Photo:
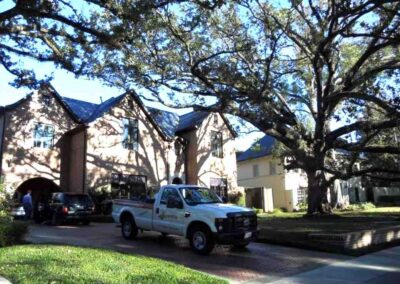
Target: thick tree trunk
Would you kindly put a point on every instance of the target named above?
(317, 194)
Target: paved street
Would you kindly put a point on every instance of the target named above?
(260, 263)
(382, 267)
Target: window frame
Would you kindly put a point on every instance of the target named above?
(39, 143)
(256, 170)
(134, 145)
(272, 165)
(46, 100)
(217, 149)
(215, 119)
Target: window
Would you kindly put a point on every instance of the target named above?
(219, 186)
(272, 168)
(43, 136)
(216, 144)
(215, 119)
(46, 100)
(129, 186)
(256, 171)
(130, 137)
(167, 193)
(130, 104)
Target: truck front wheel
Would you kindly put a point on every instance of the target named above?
(201, 240)
(128, 228)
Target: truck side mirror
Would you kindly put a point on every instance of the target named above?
(174, 202)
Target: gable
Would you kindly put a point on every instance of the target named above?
(194, 119)
(261, 148)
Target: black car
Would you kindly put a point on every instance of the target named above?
(69, 206)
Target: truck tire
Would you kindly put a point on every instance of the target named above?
(201, 240)
(128, 228)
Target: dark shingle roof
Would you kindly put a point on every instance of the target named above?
(82, 109)
(261, 148)
(191, 120)
(88, 112)
(105, 107)
(168, 121)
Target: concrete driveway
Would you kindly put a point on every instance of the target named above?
(259, 263)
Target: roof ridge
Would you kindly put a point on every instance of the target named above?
(156, 108)
(68, 98)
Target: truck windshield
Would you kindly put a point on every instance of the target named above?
(199, 195)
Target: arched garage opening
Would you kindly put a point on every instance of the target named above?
(41, 188)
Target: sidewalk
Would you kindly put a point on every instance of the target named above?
(375, 268)
(4, 281)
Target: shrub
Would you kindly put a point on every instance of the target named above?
(277, 211)
(5, 199)
(257, 210)
(359, 206)
(11, 232)
(302, 207)
(367, 205)
(102, 197)
(235, 197)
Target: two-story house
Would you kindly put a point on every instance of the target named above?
(257, 167)
(49, 142)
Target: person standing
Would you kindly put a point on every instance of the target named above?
(27, 204)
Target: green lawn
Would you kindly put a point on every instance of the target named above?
(66, 264)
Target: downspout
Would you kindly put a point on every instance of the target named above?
(186, 145)
(84, 159)
(2, 143)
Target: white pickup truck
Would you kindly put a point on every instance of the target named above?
(194, 212)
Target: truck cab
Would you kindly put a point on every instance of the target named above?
(190, 211)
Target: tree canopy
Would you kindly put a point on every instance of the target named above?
(68, 33)
(303, 72)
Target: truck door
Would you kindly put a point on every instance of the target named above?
(169, 220)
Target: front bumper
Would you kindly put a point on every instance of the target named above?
(236, 237)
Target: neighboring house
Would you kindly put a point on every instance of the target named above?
(258, 168)
(49, 141)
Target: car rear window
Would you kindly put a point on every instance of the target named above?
(78, 199)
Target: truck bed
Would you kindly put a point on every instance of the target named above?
(142, 210)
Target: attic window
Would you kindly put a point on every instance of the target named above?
(216, 144)
(130, 136)
(130, 104)
(215, 119)
(46, 100)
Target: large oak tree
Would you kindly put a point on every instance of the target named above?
(303, 72)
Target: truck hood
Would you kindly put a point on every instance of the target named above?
(220, 209)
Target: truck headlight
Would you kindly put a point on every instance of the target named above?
(220, 224)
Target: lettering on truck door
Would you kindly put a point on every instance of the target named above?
(169, 220)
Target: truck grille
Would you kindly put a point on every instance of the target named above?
(242, 221)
